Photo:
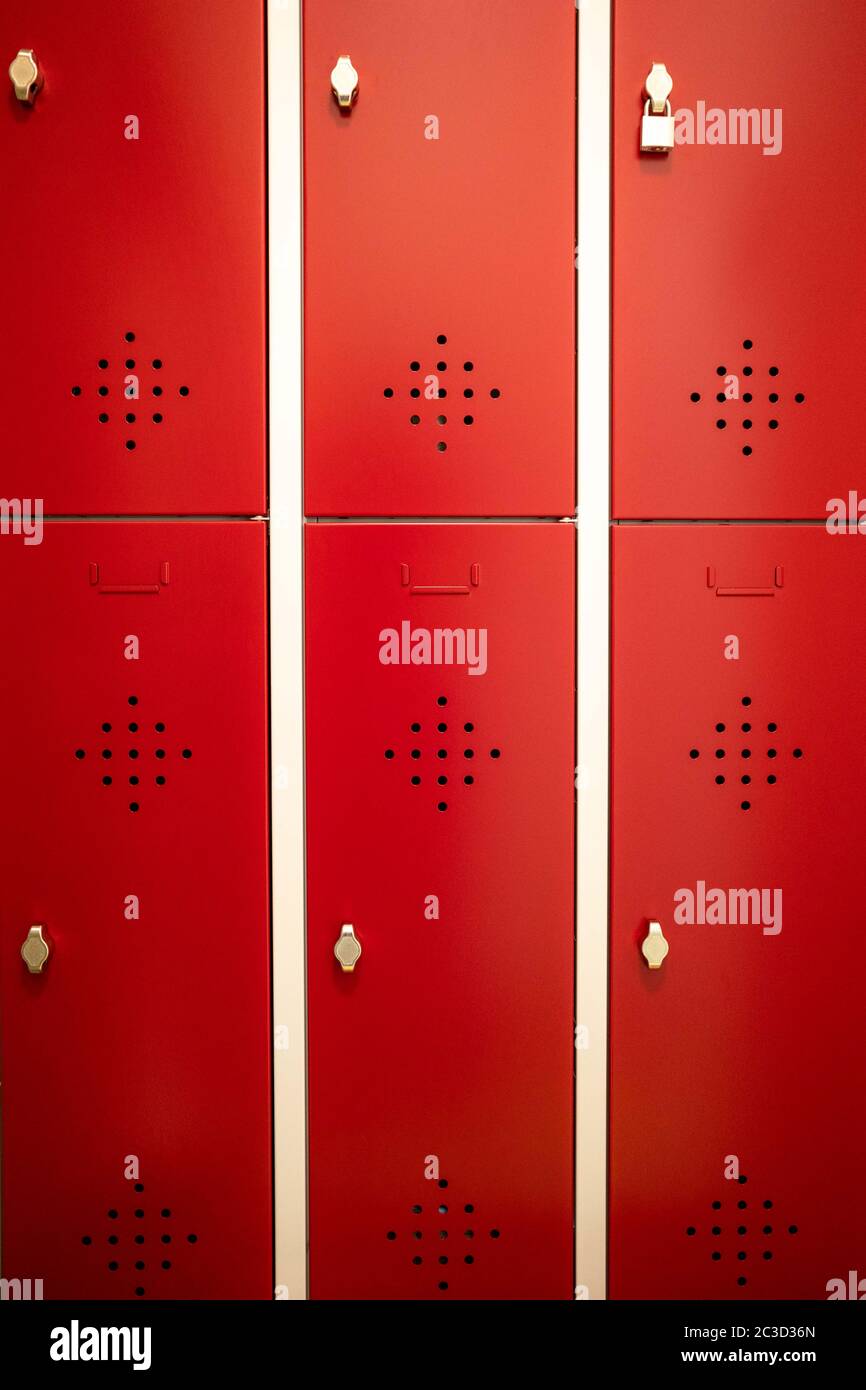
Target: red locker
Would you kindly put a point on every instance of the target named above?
(439, 258)
(133, 238)
(440, 680)
(739, 316)
(738, 1143)
(133, 836)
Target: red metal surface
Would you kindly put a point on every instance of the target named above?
(160, 237)
(719, 245)
(147, 1037)
(452, 250)
(454, 1035)
(743, 1043)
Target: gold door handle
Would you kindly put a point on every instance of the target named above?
(347, 948)
(35, 951)
(25, 75)
(344, 82)
(654, 947)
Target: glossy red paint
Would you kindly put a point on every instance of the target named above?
(453, 1037)
(145, 1037)
(443, 266)
(746, 1043)
(147, 251)
(732, 268)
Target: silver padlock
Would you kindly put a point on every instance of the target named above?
(657, 125)
(657, 130)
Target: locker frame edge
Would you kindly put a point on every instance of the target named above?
(595, 54)
(285, 213)
(285, 270)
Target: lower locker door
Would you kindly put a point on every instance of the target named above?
(133, 834)
(440, 760)
(738, 1062)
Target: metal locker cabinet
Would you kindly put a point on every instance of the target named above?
(734, 775)
(132, 374)
(739, 306)
(440, 824)
(136, 782)
(439, 258)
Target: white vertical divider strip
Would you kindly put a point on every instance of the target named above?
(286, 647)
(593, 641)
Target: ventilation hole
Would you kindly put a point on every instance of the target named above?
(469, 1207)
(747, 371)
(106, 752)
(771, 779)
(468, 393)
(441, 338)
(415, 392)
(416, 781)
(774, 371)
(112, 1215)
(133, 781)
(720, 752)
(414, 419)
(389, 391)
(746, 700)
(746, 779)
(76, 390)
(157, 390)
(442, 419)
(443, 1259)
(748, 344)
(441, 366)
(183, 391)
(721, 371)
(166, 1240)
(103, 364)
(192, 1239)
(112, 1240)
(157, 419)
(469, 419)
(717, 1230)
(494, 753)
(442, 781)
(469, 781)
(720, 781)
(416, 728)
(696, 396)
(469, 728)
(417, 1260)
(469, 1259)
(441, 393)
(112, 1264)
(720, 424)
(773, 397)
(720, 728)
(470, 1235)
(130, 363)
(495, 393)
(103, 419)
(86, 1240)
(716, 1255)
(159, 753)
(133, 806)
(694, 753)
(130, 444)
(747, 450)
(792, 1230)
(133, 752)
(798, 752)
(742, 1205)
(442, 806)
(160, 781)
(741, 1254)
(771, 752)
(417, 1235)
(139, 1293)
(799, 398)
(417, 1210)
(392, 1235)
(768, 1230)
(721, 397)
(416, 753)
(389, 752)
(742, 1280)
(443, 1286)
(774, 424)
(186, 753)
(79, 752)
(717, 1206)
(139, 1264)
(139, 1215)
(747, 752)
(747, 396)
(130, 337)
(442, 753)
(103, 391)
(139, 1187)
(747, 424)
(106, 781)
(441, 700)
(690, 1231)
(441, 446)
(166, 1264)
(742, 1231)
(494, 1234)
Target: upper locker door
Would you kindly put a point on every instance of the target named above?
(132, 239)
(133, 834)
(439, 258)
(739, 299)
(440, 724)
(737, 1144)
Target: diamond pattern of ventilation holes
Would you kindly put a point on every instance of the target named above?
(140, 743)
(748, 397)
(752, 742)
(442, 1237)
(450, 758)
(139, 1243)
(132, 391)
(429, 383)
(741, 1233)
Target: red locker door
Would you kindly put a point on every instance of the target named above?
(136, 1073)
(440, 828)
(739, 299)
(439, 259)
(132, 374)
(738, 1144)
